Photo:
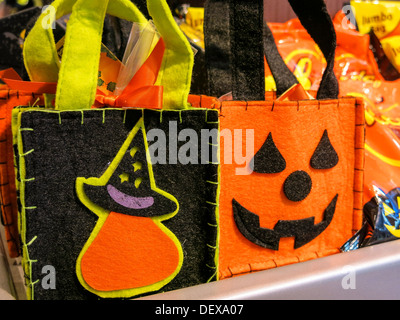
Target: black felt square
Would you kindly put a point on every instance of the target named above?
(68, 145)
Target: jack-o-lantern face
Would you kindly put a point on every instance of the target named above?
(298, 193)
(296, 187)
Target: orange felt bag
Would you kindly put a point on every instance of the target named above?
(291, 168)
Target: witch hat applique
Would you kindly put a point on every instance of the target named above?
(129, 252)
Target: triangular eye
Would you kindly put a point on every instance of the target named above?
(268, 159)
(325, 156)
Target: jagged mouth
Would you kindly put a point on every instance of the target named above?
(304, 230)
(128, 201)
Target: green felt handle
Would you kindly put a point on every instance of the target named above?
(40, 54)
(176, 71)
(77, 74)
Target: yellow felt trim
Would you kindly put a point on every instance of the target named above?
(103, 214)
(81, 53)
(217, 213)
(176, 71)
(25, 261)
(40, 54)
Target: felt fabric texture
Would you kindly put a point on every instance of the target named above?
(56, 225)
(81, 53)
(12, 30)
(297, 186)
(125, 241)
(316, 226)
(285, 211)
(302, 230)
(69, 225)
(199, 83)
(217, 48)
(81, 91)
(82, 82)
(219, 37)
(284, 78)
(177, 68)
(238, 65)
(315, 18)
(130, 183)
(175, 73)
(325, 156)
(40, 56)
(246, 42)
(268, 159)
(9, 99)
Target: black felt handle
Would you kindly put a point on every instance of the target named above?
(235, 48)
(315, 18)
(283, 76)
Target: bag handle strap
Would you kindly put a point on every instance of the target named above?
(283, 76)
(217, 47)
(77, 73)
(314, 17)
(176, 70)
(241, 48)
(40, 54)
(234, 48)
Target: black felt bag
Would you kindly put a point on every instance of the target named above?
(113, 204)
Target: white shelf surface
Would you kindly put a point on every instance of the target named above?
(364, 274)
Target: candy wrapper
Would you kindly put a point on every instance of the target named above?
(140, 44)
(382, 221)
(383, 19)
